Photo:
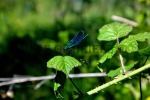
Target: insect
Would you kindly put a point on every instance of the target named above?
(75, 40)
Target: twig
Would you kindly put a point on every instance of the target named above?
(118, 80)
(10, 92)
(5, 79)
(124, 20)
(25, 79)
(40, 84)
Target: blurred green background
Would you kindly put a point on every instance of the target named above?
(34, 31)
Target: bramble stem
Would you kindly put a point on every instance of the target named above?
(119, 79)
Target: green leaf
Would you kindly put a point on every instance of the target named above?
(130, 44)
(145, 51)
(113, 31)
(109, 54)
(117, 71)
(64, 64)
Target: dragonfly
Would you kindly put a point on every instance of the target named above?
(75, 40)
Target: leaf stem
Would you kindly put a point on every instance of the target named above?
(121, 59)
(118, 80)
(76, 86)
(122, 63)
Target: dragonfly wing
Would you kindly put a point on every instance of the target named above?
(75, 40)
(72, 42)
(78, 39)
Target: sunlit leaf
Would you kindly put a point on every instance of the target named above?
(109, 54)
(64, 64)
(113, 31)
(117, 71)
(130, 44)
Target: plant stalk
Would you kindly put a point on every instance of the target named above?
(122, 63)
(118, 80)
(121, 60)
(76, 87)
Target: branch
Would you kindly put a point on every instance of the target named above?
(124, 20)
(118, 80)
(40, 84)
(9, 81)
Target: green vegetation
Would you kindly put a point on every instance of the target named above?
(33, 33)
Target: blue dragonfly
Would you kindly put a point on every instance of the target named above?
(75, 40)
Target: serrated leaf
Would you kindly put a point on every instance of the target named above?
(117, 71)
(145, 51)
(113, 31)
(130, 44)
(109, 54)
(64, 64)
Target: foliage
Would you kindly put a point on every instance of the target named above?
(34, 31)
(64, 64)
(109, 54)
(113, 31)
(108, 32)
(117, 71)
(130, 44)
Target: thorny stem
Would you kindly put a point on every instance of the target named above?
(121, 59)
(99, 88)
